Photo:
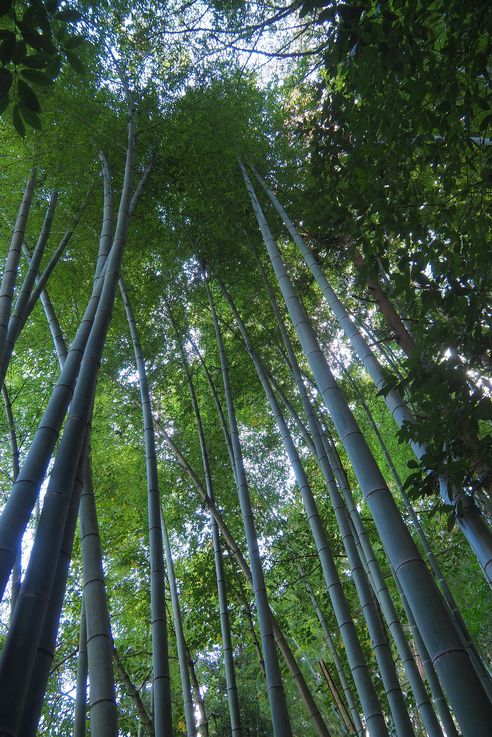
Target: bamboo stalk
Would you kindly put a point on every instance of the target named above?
(455, 670)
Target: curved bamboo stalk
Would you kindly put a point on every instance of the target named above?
(455, 670)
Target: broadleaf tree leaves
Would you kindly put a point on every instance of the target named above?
(37, 77)
(30, 117)
(27, 96)
(70, 15)
(76, 63)
(41, 29)
(17, 121)
(7, 48)
(6, 78)
(39, 60)
(73, 42)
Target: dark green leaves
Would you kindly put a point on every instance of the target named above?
(33, 45)
(75, 62)
(6, 78)
(7, 46)
(34, 75)
(27, 96)
(17, 121)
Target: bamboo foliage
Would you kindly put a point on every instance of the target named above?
(282, 480)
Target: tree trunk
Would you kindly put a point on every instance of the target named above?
(402, 336)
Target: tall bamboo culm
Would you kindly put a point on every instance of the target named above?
(161, 680)
(23, 637)
(289, 658)
(227, 650)
(360, 672)
(470, 521)
(455, 670)
(342, 508)
(276, 695)
(189, 709)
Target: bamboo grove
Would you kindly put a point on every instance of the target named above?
(245, 483)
